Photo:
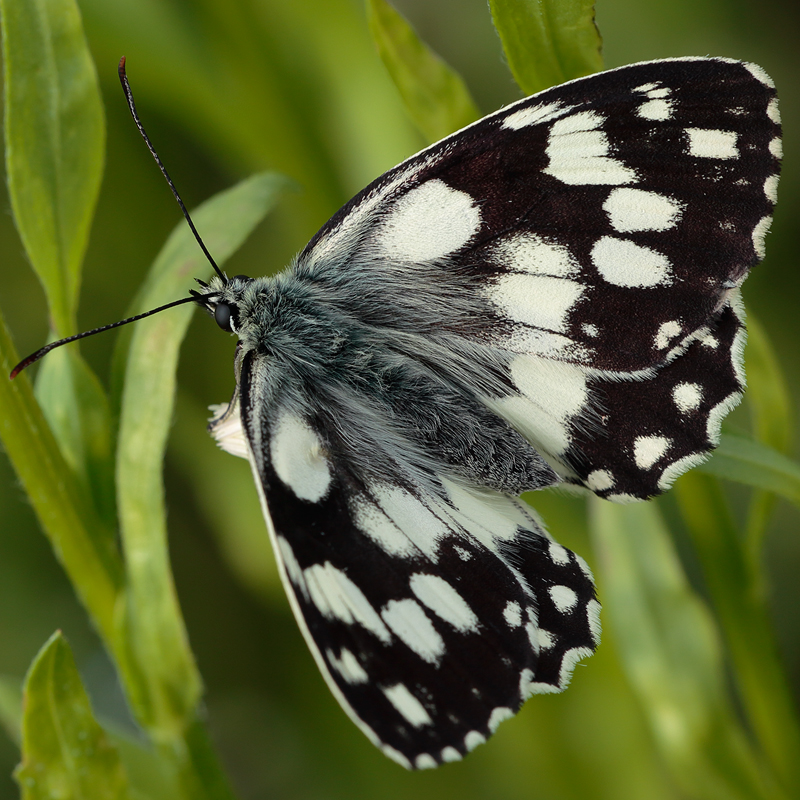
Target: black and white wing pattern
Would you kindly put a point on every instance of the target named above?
(548, 296)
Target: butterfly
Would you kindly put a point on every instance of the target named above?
(548, 297)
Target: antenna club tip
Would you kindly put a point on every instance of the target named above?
(121, 66)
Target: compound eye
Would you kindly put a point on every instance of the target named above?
(222, 315)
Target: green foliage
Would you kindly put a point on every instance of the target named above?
(66, 754)
(547, 42)
(435, 96)
(686, 697)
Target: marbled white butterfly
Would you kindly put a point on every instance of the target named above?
(549, 296)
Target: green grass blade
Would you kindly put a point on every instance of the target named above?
(768, 395)
(76, 407)
(434, 94)
(670, 651)
(55, 143)
(770, 410)
(754, 464)
(745, 624)
(81, 543)
(548, 42)
(65, 753)
(163, 683)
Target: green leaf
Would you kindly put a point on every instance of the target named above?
(80, 541)
(767, 393)
(163, 683)
(55, 143)
(548, 42)
(76, 407)
(754, 464)
(434, 94)
(65, 753)
(770, 410)
(744, 620)
(670, 651)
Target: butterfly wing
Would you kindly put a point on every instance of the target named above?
(433, 612)
(585, 246)
(550, 294)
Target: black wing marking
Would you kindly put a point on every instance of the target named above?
(432, 616)
(603, 225)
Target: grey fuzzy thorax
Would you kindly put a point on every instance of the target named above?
(382, 396)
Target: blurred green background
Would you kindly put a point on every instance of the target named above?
(229, 87)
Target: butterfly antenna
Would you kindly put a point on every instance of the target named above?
(26, 362)
(126, 87)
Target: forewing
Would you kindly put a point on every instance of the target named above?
(432, 616)
(590, 237)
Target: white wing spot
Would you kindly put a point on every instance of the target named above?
(687, 396)
(535, 115)
(771, 188)
(546, 639)
(776, 147)
(412, 626)
(558, 554)
(760, 234)
(430, 221)
(625, 263)
(773, 111)
(657, 110)
(441, 598)
(337, 597)
(709, 143)
(347, 666)
(425, 761)
(450, 754)
(463, 554)
(590, 330)
(297, 457)
(412, 517)
(293, 569)
(374, 523)
(497, 716)
(649, 449)
(513, 614)
(472, 740)
(554, 391)
(600, 480)
(408, 705)
(563, 598)
(532, 630)
(640, 210)
(593, 618)
(667, 331)
(709, 340)
(580, 154)
(539, 301)
(531, 254)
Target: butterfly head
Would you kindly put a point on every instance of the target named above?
(226, 300)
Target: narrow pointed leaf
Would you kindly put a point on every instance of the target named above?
(55, 143)
(434, 94)
(80, 541)
(547, 42)
(670, 651)
(162, 679)
(65, 752)
(754, 464)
